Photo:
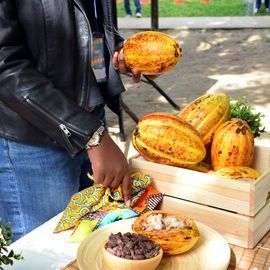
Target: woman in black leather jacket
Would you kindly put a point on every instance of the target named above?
(52, 97)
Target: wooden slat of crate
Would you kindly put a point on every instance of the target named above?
(245, 197)
(195, 186)
(238, 229)
(259, 225)
(261, 187)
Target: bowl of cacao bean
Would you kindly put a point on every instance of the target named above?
(130, 251)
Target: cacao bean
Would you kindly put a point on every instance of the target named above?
(132, 246)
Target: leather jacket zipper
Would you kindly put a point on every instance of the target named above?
(63, 128)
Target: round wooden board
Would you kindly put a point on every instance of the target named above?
(211, 252)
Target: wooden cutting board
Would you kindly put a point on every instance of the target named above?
(211, 251)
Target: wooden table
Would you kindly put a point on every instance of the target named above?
(241, 258)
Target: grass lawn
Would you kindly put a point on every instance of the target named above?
(190, 8)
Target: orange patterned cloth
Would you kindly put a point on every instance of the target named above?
(101, 206)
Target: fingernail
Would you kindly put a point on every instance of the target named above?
(121, 57)
(135, 71)
(115, 54)
(128, 203)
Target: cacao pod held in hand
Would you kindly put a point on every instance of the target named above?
(151, 52)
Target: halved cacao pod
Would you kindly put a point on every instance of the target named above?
(167, 139)
(151, 52)
(233, 145)
(207, 113)
(237, 172)
(173, 241)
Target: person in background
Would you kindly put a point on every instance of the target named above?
(258, 5)
(58, 69)
(137, 4)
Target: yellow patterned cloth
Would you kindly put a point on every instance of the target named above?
(96, 199)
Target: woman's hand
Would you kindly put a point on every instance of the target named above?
(110, 167)
(120, 65)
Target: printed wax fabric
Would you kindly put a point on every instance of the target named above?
(97, 206)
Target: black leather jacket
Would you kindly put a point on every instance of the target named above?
(45, 72)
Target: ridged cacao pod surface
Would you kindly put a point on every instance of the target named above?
(237, 172)
(151, 52)
(207, 113)
(233, 145)
(174, 240)
(167, 139)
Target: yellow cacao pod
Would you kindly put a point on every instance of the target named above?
(202, 167)
(233, 145)
(174, 240)
(151, 52)
(237, 172)
(167, 139)
(207, 113)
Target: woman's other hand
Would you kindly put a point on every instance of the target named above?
(110, 166)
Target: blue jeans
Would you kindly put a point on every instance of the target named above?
(137, 5)
(258, 4)
(36, 183)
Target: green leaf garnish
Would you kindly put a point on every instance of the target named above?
(244, 110)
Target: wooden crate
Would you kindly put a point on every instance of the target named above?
(239, 210)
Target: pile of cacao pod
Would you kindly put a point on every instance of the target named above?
(201, 137)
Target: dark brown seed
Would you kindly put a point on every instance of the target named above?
(139, 257)
(132, 246)
(130, 257)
